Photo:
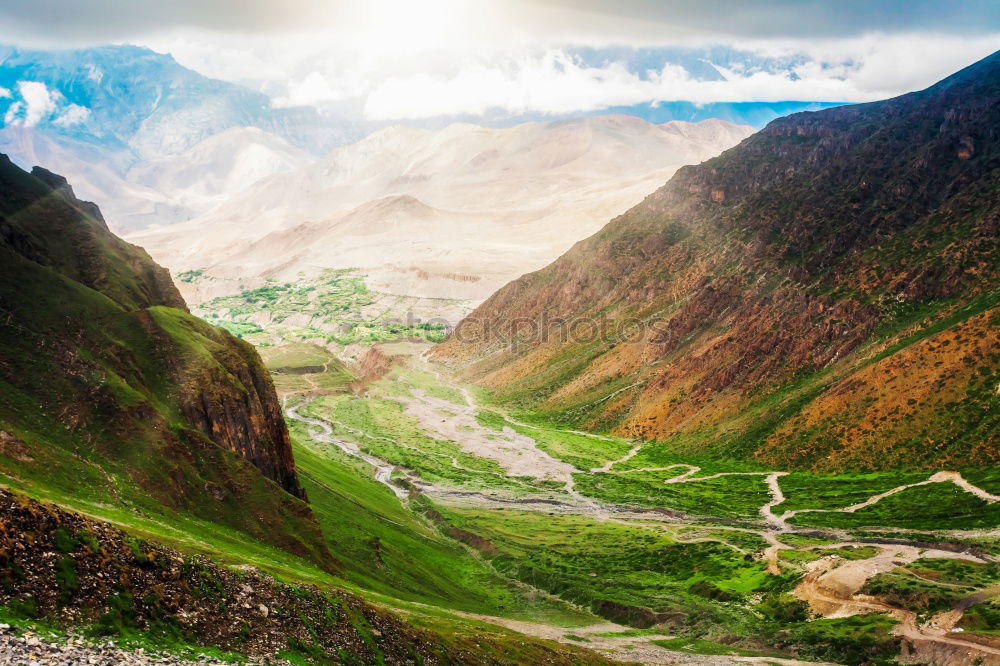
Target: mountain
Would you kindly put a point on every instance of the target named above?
(112, 394)
(109, 117)
(437, 214)
(824, 295)
(123, 95)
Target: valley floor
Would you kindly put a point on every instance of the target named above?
(621, 547)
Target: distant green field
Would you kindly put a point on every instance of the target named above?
(334, 307)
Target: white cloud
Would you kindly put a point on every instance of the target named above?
(39, 103)
(497, 71)
(5, 93)
(73, 114)
(10, 118)
(317, 87)
(871, 68)
(94, 73)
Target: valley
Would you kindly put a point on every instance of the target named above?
(642, 555)
(478, 395)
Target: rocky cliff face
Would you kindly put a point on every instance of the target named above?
(765, 302)
(103, 371)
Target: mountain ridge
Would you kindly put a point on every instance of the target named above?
(770, 270)
(109, 382)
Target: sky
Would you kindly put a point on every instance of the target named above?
(398, 60)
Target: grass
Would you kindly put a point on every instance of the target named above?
(811, 491)
(931, 586)
(580, 451)
(388, 549)
(692, 645)
(583, 561)
(938, 506)
(152, 641)
(722, 497)
(384, 430)
(861, 639)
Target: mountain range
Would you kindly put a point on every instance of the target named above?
(754, 416)
(448, 215)
(822, 296)
(114, 118)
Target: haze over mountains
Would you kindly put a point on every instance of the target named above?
(115, 119)
(437, 214)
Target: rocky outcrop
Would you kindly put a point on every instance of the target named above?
(231, 400)
(763, 281)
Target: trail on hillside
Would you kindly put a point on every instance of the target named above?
(322, 432)
(938, 477)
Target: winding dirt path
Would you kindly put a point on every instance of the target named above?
(382, 470)
(939, 477)
(831, 588)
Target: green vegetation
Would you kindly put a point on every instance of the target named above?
(581, 451)
(931, 586)
(190, 276)
(335, 307)
(388, 549)
(812, 491)
(931, 507)
(299, 367)
(699, 646)
(383, 429)
(126, 635)
(861, 639)
(722, 497)
(583, 561)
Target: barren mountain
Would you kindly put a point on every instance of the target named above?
(452, 213)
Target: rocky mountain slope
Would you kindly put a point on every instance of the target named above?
(437, 214)
(77, 571)
(111, 393)
(824, 295)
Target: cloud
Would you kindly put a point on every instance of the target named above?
(11, 117)
(39, 103)
(557, 82)
(5, 93)
(73, 114)
(414, 59)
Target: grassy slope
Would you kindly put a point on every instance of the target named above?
(94, 366)
(392, 551)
